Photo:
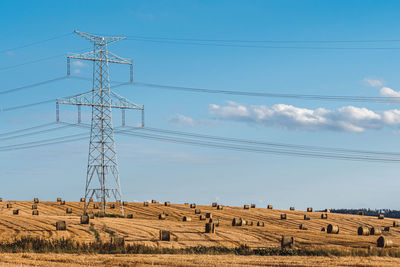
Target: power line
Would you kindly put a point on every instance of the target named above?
(43, 144)
(27, 129)
(32, 85)
(36, 43)
(33, 133)
(28, 105)
(331, 153)
(229, 92)
(253, 142)
(263, 150)
(265, 41)
(338, 98)
(55, 140)
(279, 145)
(263, 46)
(35, 61)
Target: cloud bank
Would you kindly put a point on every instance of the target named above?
(347, 119)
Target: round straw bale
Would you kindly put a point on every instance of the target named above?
(386, 229)
(210, 228)
(202, 217)
(15, 212)
(363, 230)
(323, 229)
(327, 210)
(253, 206)
(214, 204)
(62, 202)
(145, 204)
(220, 207)
(187, 219)
(283, 216)
(307, 217)
(129, 216)
(237, 221)
(303, 227)
(34, 206)
(9, 205)
(83, 199)
(332, 229)
(324, 216)
(59, 199)
(95, 206)
(249, 223)
(384, 242)
(375, 231)
(291, 208)
(309, 209)
(193, 206)
(165, 235)
(68, 210)
(361, 213)
(35, 212)
(395, 224)
(153, 201)
(287, 242)
(209, 215)
(246, 207)
(261, 224)
(112, 206)
(162, 216)
(269, 207)
(36, 200)
(61, 225)
(167, 203)
(381, 216)
(125, 203)
(197, 211)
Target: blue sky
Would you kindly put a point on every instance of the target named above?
(179, 173)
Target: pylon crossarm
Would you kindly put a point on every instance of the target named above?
(122, 101)
(85, 99)
(117, 59)
(99, 39)
(93, 56)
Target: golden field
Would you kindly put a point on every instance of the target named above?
(145, 226)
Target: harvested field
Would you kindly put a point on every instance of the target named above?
(144, 229)
(30, 259)
(145, 226)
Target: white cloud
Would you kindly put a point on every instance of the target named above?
(348, 118)
(182, 120)
(373, 82)
(78, 63)
(389, 92)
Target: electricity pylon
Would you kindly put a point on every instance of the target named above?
(102, 160)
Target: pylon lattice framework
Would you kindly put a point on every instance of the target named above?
(102, 159)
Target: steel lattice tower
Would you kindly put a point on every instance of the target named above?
(102, 160)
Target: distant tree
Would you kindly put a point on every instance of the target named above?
(368, 212)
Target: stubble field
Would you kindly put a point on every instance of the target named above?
(144, 229)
